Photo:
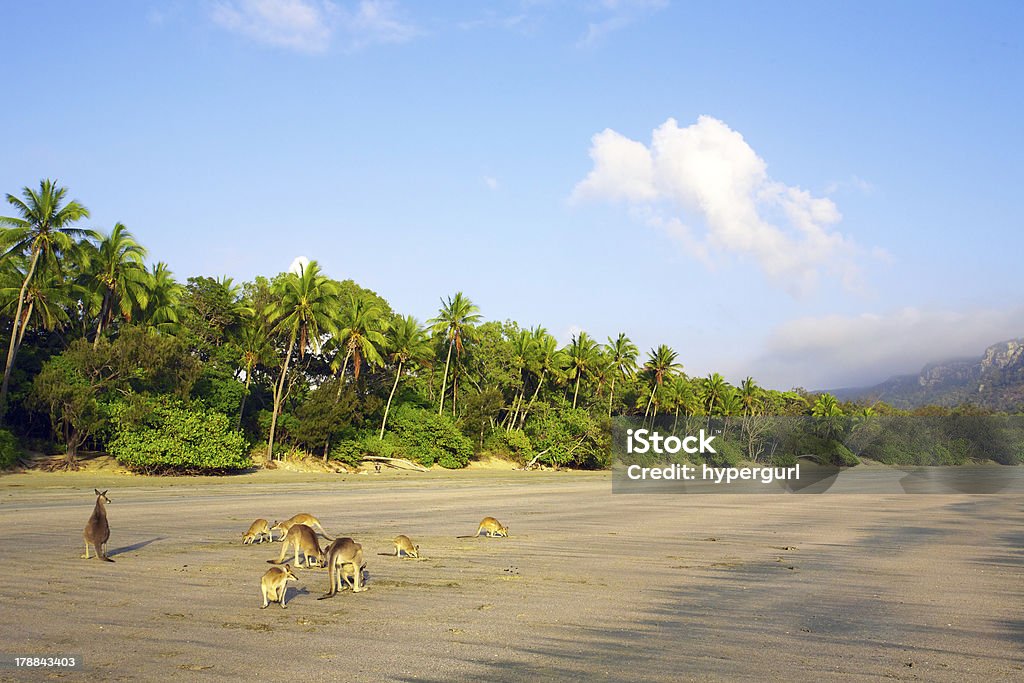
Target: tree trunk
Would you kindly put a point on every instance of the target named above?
(279, 398)
(12, 348)
(611, 396)
(577, 390)
(650, 401)
(341, 376)
(444, 381)
(241, 409)
(103, 316)
(387, 408)
(540, 383)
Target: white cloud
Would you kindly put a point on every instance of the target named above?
(298, 265)
(302, 25)
(491, 182)
(312, 26)
(616, 15)
(708, 172)
(853, 351)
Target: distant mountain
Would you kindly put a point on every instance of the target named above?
(996, 380)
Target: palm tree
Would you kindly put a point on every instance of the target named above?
(360, 338)
(406, 342)
(161, 310)
(118, 273)
(254, 344)
(750, 395)
(661, 362)
(713, 391)
(623, 354)
(303, 309)
(47, 300)
(452, 321)
(547, 359)
(828, 416)
(42, 230)
(582, 356)
(524, 351)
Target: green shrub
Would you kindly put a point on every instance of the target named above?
(10, 449)
(157, 435)
(425, 437)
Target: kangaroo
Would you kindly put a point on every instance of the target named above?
(345, 563)
(274, 585)
(403, 544)
(97, 530)
(489, 526)
(301, 518)
(304, 539)
(256, 532)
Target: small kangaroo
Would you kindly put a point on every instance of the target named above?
(304, 539)
(97, 530)
(274, 585)
(301, 518)
(489, 526)
(403, 544)
(345, 563)
(257, 530)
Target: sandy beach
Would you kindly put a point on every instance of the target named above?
(589, 586)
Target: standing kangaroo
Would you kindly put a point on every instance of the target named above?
(97, 530)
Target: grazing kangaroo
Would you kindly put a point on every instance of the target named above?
(257, 530)
(345, 563)
(274, 585)
(403, 544)
(489, 526)
(97, 530)
(304, 539)
(301, 518)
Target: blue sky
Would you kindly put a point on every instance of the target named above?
(817, 194)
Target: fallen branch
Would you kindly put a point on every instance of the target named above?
(396, 462)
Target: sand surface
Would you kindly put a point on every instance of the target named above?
(590, 585)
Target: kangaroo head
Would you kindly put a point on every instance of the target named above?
(288, 574)
(102, 495)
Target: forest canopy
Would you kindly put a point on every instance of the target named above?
(107, 350)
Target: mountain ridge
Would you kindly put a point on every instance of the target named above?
(994, 380)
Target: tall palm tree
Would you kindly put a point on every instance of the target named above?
(661, 363)
(623, 354)
(523, 356)
(407, 342)
(359, 339)
(713, 390)
(42, 230)
(750, 395)
(452, 321)
(582, 356)
(303, 310)
(118, 273)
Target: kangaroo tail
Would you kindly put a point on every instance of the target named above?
(275, 561)
(470, 536)
(105, 558)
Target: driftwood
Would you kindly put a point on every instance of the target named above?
(396, 462)
(530, 465)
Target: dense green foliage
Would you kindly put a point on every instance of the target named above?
(155, 435)
(106, 353)
(10, 449)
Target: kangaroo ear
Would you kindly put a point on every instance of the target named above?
(97, 492)
(104, 493)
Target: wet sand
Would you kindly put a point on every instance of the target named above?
(590, 585)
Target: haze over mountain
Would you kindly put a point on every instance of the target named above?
(993, 380)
